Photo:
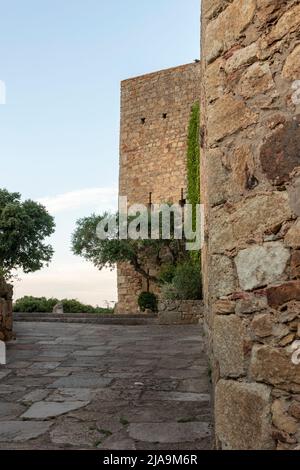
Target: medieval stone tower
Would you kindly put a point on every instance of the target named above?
(155, 111)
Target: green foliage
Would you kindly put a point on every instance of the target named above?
(167, 273)
(113, 250)
(147, 301)
(193, 159)
(186, 283)
(24, 226)
(30, 304)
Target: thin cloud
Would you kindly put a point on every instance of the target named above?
(97, 197)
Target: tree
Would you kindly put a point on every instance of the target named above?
(113, 249)
(24, 226)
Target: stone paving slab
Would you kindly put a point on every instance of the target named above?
(105, 387)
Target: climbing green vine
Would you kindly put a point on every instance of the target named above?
(193, 160)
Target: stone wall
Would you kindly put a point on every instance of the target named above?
(155, 113)
(180, 312)
(6, 314)
(250, 188)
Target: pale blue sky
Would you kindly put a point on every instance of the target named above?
(62, 62)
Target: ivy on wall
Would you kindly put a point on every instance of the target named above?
(193, 160)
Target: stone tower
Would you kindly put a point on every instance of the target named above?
(155, 111)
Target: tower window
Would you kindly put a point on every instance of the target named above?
(143, 120)
(165, 115)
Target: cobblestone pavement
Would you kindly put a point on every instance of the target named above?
(105, 387)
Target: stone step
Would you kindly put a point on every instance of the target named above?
(86, 318)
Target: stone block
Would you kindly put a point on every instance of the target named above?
(247, 220)
(275, 367)
(256, 79)
(222, 124)
(221, 269)
(258, 266)
(222, 33)
(291, 69)
(241, 57)
(242, 416)
(292, 237)
(228, 343)
(279, 155)
(284, 293)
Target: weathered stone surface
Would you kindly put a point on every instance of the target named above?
(6, 313)
(223, 32)
(215, 80)
(212, 7)
(180, 312)
(222, 124)
(75, 433)
(256, 79)
(222, 269)
(241, 57)
(267, 9)
(243, 169)
(281, 419)
(35, 395)
(274, 366)
(262, 325)
(83, 380)
(294, 196)
(251, 304)
(177, 396)
(46, 410)
(242, 415)
(72, 394)
(217, 177)
(250, 218)
(294, 410)
(224, 307)
(169, 432)
(280, 154)
(288, 23)
(291, 69)
(10, 410)
(279, 295)
(295, 265)
(20, 431)
(228, 341)
(292, 237)
(258, 266)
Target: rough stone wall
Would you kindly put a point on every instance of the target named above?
(180, 312)
(250, 187)
(155, 112)
(6, 314)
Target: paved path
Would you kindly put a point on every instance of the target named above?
(106, 387)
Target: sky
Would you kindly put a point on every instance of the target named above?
(62, 62)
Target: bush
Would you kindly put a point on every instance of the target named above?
(186, 283)
(147, 301)
(167, 273)
(30, 304)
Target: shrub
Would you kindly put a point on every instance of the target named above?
(167, 273)
(147, 301)
(186, 283)
(34, 304)
(29, 304)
